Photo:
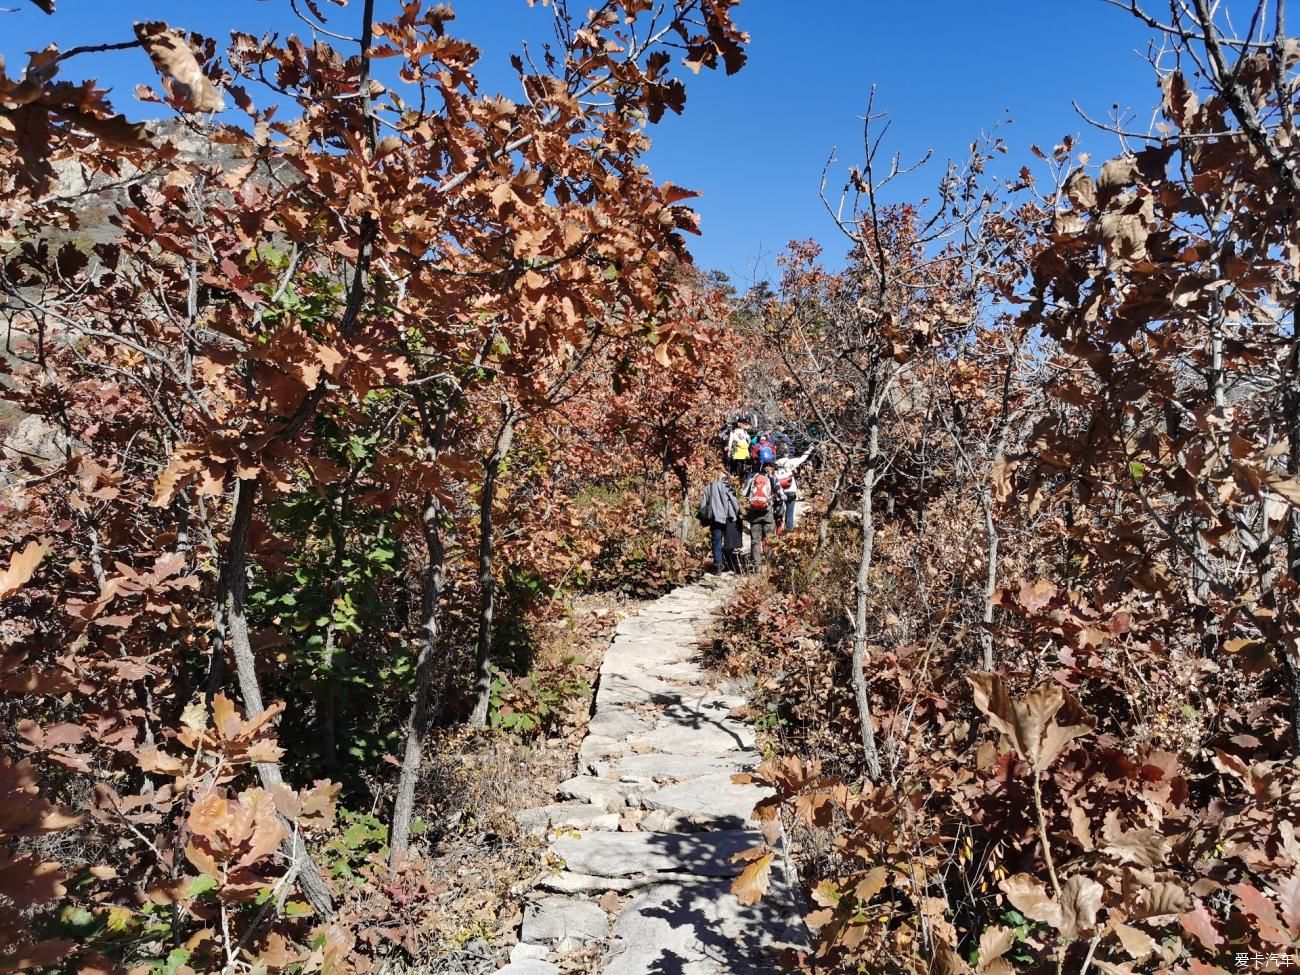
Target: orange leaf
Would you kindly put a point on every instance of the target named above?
(754, 880)
(172, 56)
(22, 566)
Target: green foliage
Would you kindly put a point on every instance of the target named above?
(535, 704)
(361, 839)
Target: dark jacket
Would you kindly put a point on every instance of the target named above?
(719, 504)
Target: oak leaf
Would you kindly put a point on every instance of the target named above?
(1029, 724)
(1289, 894)
(1144, 847)
(756, 878)
(1080, 902)
(1200, 924)
(1028, 896)
(175, 60)
(22, 566)
(1136, 942)
(995, 942)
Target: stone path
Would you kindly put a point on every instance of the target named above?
(643, 838)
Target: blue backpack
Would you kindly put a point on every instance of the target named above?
(765, 452)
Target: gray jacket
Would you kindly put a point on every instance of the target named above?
(719, 504)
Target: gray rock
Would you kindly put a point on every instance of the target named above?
(632, 685)
(609, 793)
(629, 854)
(557, 918)
(527, 952)
(712, 800)
(594, 748)
(660, 768)
(573, 815)
(529, 966)
(586, 883)
(616, 723)
(694, 929)
(708, 736)
(663, 821)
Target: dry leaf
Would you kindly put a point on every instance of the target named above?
(22, 566)
(175, 60)
(754, 880)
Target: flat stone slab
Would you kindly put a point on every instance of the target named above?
(526, 952)
(695, 929)
(616, 723)
(712, 799)
(587, 883)
(702, 737)
(630, 854)
(558, 918)
(529, 966)
(663, 769)
(609, 793)
(634, 686)
(572, 815)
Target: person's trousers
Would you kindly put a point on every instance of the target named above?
(717, 531)
(758, 532)
(789, 514)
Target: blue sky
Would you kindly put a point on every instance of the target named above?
(754, 144)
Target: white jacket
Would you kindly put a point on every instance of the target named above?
(785, 467)
(738, 436)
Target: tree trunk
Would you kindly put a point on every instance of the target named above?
(233, 591)
(399, 836)
(688, 519)
(327, 699)
(870, 752)
(823, 527)
(990, 578)
(486, 577)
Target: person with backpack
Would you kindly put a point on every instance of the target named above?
(786, 484)
(719, 510)
(759, 447)
(738, 448)
(724, 437)
(763, 506)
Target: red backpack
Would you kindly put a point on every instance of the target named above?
(760, 493)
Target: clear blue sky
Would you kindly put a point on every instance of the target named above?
(755, 143)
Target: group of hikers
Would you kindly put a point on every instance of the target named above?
(763, 462)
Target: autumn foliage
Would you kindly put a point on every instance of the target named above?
(325, 393)
(1064, 494)
(314, 387)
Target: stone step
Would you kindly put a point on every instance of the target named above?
(630, 854)
(695, 929)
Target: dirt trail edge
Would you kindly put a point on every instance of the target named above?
(643, 839)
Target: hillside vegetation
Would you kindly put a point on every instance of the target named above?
(346, 409)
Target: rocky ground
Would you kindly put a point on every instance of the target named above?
(642, 840)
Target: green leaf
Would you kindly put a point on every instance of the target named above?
(77, 917)
(175, 959)
(200, 885)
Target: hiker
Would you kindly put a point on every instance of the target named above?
(763, 505)
(787, 485)
(724, 436)
(720, 510)
(761, 452)
(738, 447)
